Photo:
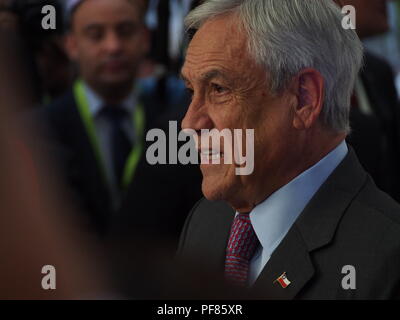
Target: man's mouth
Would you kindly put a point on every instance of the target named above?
(113, 66)
(208, 155)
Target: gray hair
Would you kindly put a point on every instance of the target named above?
(287, 36)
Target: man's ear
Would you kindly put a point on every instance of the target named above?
(309, 89)
(71, 46)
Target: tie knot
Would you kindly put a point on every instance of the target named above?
(243, 240)
(120, 144)
(114, 113)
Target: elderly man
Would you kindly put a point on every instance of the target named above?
(308, 223)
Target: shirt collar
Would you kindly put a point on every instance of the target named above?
(96, 103)
(273, 218)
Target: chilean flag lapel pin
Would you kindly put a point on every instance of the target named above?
(283, 280)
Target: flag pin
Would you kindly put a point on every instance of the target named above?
(283, 280)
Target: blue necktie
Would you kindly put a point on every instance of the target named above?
(121, 146)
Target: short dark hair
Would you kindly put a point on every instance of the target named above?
(143, 6)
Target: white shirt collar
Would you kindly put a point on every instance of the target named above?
(273, 218)
(96, 103)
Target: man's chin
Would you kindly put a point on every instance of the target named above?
(211, 192)
(217, 184)
(217, 189)
(116, 81)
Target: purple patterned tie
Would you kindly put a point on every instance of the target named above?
(242, 244)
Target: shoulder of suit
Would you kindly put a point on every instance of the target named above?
(369, 205)
(57, 118)
(207, 213)
(61, 105)
(371, 231)
(212, 208)
(377, 202)
(370, 227)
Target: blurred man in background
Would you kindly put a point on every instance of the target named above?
(375, 114)
(98, 132)
(98, 121)
(101, 125)
(169, 40)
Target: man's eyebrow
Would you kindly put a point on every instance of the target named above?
(128, 23)
(92, 26)
(214, 73)
(207, 76)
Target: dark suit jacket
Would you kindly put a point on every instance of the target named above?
(156, 202)
(376, 138)
(348, 222)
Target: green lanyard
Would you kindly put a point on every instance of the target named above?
(139, 123)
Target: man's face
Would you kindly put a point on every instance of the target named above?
(108, 40)
(230, 91)
(371, 16)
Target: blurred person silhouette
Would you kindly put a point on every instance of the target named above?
(99, 128)
(8, 20)
(375, 113)
(163, 63)
(167, 19)
(34, 229)
(13, 48)
(41, 53)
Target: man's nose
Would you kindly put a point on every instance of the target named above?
(197, 118)
(112, 43)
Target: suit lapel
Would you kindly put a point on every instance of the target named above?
(291, 258)
(217, 240)
(220, 243)
(314, 229)
(84, 166)
(85, 155)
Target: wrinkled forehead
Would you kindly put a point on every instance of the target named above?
(219, 40)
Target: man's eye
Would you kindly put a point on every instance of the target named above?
(126, 30)
(95, 35)
(190, 92)
(218, 89)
